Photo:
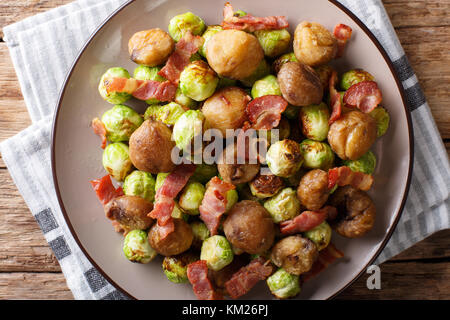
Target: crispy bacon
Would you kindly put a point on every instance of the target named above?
(326, 257)
(265, 112)
(99, 129)
(197, 273)
(179, 59)
(105, 190)
(142, 89)
(336, 104)
(164, 198)
(250, 23)
(364, 95)
(214, 203)
(307, 220)
(247, 277)
(343, 176)
(342, 33)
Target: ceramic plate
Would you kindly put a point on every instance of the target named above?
(76, 153)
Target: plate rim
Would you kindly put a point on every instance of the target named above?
(355, 19)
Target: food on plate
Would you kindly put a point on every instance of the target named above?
(175, 267)
(316, 155)
(187, 127)
(354, 76)
(150, 47)
(283, 206)
(200, 232)
(283, 285)
(274, 42)
(113, 97)
(314, 121)
(168, 113)
(182, 23)
(284, 158)
(382, 118)
(217, 253)
(278, 63)
(116, 160)
(313, 189)
(140, 183)
(265, 185)
(320, 235)
(191, 197)
(148, 73)
(120, 122)
(136, 247)
(198, 81)
(175, 242)
(366, 163)
(266, 86)
(263, 69)
(236, 173)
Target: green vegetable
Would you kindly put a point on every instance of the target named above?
(320, 235)
(283, 206)
(204, 172)
(191, 197)
(181, 23)
(273, 42)
(283, 285)
(278, 63)
(382, 118)
(266, 86)
(232, 198)
(314, 121)
(284, 158)
(188, 126)
(175, 267)
(291, 112)
(149, 73)
(200, 231)
(114, 97)
(185, 101)
(140, 183)
(198, 81)
(353, 77)
(217, 252)
(261, 71)
(160, 177)
(168, 114)
(137, 248)
(209, 32)
(317, 155)
(116, 160)
(120, 122)
(365, 164)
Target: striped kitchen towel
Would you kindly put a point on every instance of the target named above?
(58, 35)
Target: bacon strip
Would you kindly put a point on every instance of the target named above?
(343, 176)
(247, 277)
(99, 129)
(265, 112)
(364, 95)
(326, 257)
(105, 190)
(197, 273)
(336, 104)
(179, 59)
(307, 220)
(214, 203)
(342, 33)
(250, 23)
(142, 89)
(164, 198)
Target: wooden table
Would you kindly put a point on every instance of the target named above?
(29, 270)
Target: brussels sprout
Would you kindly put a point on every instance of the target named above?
(284, 158)
(239, 13)
(353, 77)
(116, 160)
(266, 186)
(291, 112)
(120, 122)
(266, 86)
(217, 252)
(314, 119)
(114, 97)
(273, 42)
(140, 183)
(160, 177)
(196, 56)
(185, 101)
(198, 81)
(226, 82)
(200, 231)
(204, 172)
(283, 285)
(149, 73)
(181, 23)
(261, 71)
(283, 206)
(177, 213)
(316, 155)
(188, 125)
(278, 63)
(232, 198)
(175, 267)
(365, 164)
(209, 32)
(320, 235)
(152, 112)
(168, 114)
(137, 248)
(191, 197)
(382, 118)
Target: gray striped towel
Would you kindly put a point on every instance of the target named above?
(57, 36)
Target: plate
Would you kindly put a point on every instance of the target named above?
(76, 155)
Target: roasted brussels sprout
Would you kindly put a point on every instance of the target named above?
(284, 130)
(226, 82)
(184, 100)
(191, 197)
(364, 164)
(116, 160)
(175, 267)
(284, 158)
(175, 242)
(283, 206)
(291, 112)
(178, 213)
(204, 172)
(140, 183)
(320, 235)
(232, 198)
(198, 81)
(160, 177)
(136, 247)
(150, 47)
(382, 118)
(200, 232)
(262, 70)
(353, 77)
(314, 120)
(217, 252)
(181, 23)
(266, 86)
(113, 97)
(316, 155)
(120, 122)
(283, 285)
(148, 73)
(278, 63)
(313, 189)
(209, 32)
(168, 114)
(265, 186)
(273, 42)
(188, 126)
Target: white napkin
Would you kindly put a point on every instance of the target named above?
(58, 35)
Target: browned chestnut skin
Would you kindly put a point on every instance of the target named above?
(294, 254)
(236, 173)
(249, 227)
(352, 135)
(150, 47)
(356, 212)
(175, 242)
(225, 109)
(130, 212)
(267, 185)
(313, 189)
(151, 147)
(299, 84)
